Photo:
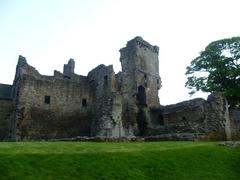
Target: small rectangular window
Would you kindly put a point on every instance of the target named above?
(84, 102)
(47, 99)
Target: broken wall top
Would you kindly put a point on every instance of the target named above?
(24, 69)
(139, 42)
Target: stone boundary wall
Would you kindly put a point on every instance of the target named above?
(5, 91)
(235, 123)
(197, 116)
(6, 112)
(163, 137)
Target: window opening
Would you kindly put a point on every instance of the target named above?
(84, 102)
(47, 99)
(145, 76)
(145, 80)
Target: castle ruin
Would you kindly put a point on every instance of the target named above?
(106, 104)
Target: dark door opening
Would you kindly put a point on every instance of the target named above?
(141, 96)
(161, 120)
(141, 122)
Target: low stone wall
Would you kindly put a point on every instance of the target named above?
(163, 137)
(5, 91)
(187, 116)
(197, 116)
(6, 110)
(235, 123)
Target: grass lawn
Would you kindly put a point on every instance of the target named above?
(135, 160)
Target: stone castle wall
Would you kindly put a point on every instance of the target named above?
(51, 106)
(5, 91)
(103, 103)
(206, 117)
(235, 123)
(107, 102)
(6, 111)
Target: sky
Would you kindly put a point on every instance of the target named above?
(50, 32)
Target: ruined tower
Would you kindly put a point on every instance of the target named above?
(140, 84)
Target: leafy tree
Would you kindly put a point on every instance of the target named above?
(217, 68)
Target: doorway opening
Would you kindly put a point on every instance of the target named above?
(141, 96)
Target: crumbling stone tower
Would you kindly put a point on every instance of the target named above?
(140, 84)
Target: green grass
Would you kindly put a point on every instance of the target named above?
(136, 160)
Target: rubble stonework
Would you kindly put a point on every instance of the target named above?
(6, 109)
(198, 116)
(105, 104)
(235, 123)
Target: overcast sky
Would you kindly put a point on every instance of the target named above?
(50, 32)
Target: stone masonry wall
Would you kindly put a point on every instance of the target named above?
(5, 91)
(107, 102)
(6, 111)
(235, 123)
(197, 116)
(140, 84)
(51, 106)
(187, 116)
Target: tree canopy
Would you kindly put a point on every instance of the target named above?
(217, 68)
